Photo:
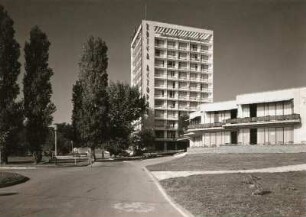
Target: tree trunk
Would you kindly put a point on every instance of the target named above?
(4, 157)
(93, 153)
(37, 157)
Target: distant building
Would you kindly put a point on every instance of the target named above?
(173, 67)
(274, 117)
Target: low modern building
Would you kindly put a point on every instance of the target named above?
(266, 118)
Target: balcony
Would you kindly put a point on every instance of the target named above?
(160, 45)
(183, 48)
(172, 77)
(160, 117)
(161, 76)
(183, 78)
(204, 126)
(172, 57)
(265, 120)
(194, 69)
(159, 96)
(160, 66)
(160, 107)
(171, 47)
(161, 86)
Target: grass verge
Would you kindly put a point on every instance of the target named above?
(8, 179)
(229, 162)
(284, 194)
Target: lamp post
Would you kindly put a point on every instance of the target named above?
(55, 139)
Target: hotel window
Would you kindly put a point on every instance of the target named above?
(171, 94)
(172, 73)
(204, 66)
(204, 57)
(172, 104)
(171, 134)
(183, 56)
(204, 47)
(171, 44)
(183, 46)
(158, 53)
(171, 54)
(171, 64)
(182, 65)
(194, 47)
(194, 56)
(159, 134)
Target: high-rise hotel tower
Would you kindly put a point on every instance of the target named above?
(173, 67)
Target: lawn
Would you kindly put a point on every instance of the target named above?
(230, 161)
(232, 195)
(8, 179)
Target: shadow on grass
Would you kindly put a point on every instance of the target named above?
(8, 194)
(8, 179)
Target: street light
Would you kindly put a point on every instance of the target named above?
(55, 139)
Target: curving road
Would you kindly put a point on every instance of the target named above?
(107, 189)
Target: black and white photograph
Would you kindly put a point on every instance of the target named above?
(152, 108)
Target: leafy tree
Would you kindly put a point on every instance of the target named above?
(143, 139)
(77, 113)
(127, 105)
(183, 124)
(94, 81)
(37, 91)
(10, 110)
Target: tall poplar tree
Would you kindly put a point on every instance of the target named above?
(37, 91)
(77, 113)
(94, 80)
(10, 115)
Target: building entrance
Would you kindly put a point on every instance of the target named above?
(253, 136)
(234, 137)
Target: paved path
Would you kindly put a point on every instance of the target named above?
(110, 189)
(161, 175)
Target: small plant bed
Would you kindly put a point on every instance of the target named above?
(231, 195)
(230, 162)
(8, 179)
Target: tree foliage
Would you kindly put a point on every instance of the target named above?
(127, 105)
(37, 91)
(10, 110)
(93, 78)
(143, 139)
(77, 113)
(183, 124)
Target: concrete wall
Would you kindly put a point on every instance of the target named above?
(300, 108)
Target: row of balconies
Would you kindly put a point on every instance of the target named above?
(204, 80)
(176, 108)
(199, 49)
(264, 119)
(187, 59)
(293, 118)
(185, 68)
(183, 98)
(196, 89)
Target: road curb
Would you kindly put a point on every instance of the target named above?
(178, 207)
(16, 168)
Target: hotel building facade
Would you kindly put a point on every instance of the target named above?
(266, 118)
(172, 66)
